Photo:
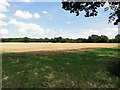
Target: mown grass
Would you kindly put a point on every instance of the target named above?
(90, 69)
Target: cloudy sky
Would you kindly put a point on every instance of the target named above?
(48, 19)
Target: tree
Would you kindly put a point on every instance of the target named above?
(68, 40)
(52, 40)
(117, 38)
(3, 40)
(46, 39)
(57, 39)
(94, 39)
(63, 40)
(90, 8)
(25, 39)
(104, 39)
(79, 40)
(73, 41)
(111, 40)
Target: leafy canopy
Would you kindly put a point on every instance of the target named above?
(91, 8)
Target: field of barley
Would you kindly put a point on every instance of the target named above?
(28, 47)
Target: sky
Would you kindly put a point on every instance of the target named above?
(48, 19)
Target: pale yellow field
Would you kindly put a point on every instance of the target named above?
(28, 47)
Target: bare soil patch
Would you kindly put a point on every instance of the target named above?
(43, 53)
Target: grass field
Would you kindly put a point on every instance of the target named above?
(88, 69)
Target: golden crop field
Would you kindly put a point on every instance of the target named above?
(48, 47)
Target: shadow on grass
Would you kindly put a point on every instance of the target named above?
(114, 67)
(117, 49)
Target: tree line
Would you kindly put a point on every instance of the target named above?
(91, 39)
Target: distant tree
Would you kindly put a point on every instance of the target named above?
(52, 40)
(57, 39)
(25, 39)
(111, 40)
(104, 39)
(79, 40)
(64, 40)
(117, 38)
(72, 41)
(91, 39)
(85, 40)
(94, 39)
(46, 39)
(3, 40)
(91, 8)
(68, 40)
(41, 40)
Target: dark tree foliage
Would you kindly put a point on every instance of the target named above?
(79, 40)
(117, 38)
(57, 39)
(94, 39)
(25, 39)
(111, 40)
(46, 39)
(91, 39)
(91, 8)
(104, 39)
(114, 67)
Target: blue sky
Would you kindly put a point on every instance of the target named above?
(48, 19)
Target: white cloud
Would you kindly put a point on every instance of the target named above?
(3, 23)
(3, 32)
(60, 30)
(68, 22)
(3, 6)
(25, 0)
(112, 29)
(2, 16)
(50, 17)
(23, 14)
(27, 28)
(21, 0)
(44, 12)
(36, 16)
(110, 32)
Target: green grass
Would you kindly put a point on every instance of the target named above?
(81, 70)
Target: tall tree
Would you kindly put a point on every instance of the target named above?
(91, 8)
(94, 39)
(104, 39)
(117, 38)
(26, 39)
